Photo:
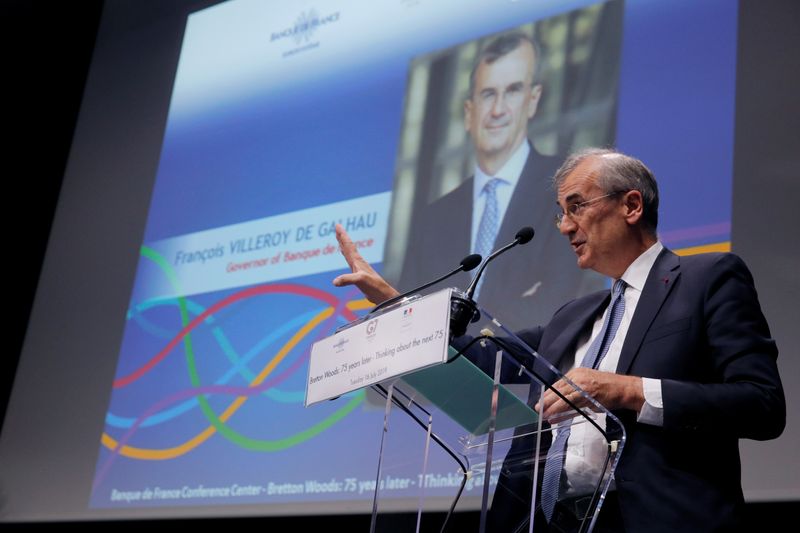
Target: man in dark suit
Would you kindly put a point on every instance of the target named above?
(510, 188)
(692, 359)
(689, 368)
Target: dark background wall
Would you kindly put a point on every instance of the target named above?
(47, 50)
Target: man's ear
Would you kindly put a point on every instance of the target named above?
(633, 206)
(533, 104)
(467, 114)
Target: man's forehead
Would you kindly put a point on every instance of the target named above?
(524, 53)
(579, 182)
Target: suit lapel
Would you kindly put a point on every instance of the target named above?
(659, 284)
(455, 222)
(532, 202)
(453, 219)
(530, 205)
(565, 344)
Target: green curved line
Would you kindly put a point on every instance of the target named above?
(297, 438)
(273, 393)
(211, 416)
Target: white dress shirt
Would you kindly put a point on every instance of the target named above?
(509, 176)
(586, 448)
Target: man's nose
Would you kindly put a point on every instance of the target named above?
(499, 106)
(567, 225)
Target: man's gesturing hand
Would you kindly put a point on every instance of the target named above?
(363, 276)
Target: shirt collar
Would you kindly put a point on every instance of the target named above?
(510, 172)
(636, 273)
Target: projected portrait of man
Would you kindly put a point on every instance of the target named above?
(508, 188)
(503, 96)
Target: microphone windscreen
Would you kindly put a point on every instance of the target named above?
(524, 235)
(471, 261)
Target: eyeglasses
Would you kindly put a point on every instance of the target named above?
(574, 210)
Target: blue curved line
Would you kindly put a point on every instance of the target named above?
(196, 309)
(297, 322)
(136, 314)
(280, 396)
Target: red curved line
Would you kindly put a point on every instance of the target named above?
(235, 297)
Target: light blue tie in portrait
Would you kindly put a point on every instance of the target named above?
(490, 220)
(551, 480)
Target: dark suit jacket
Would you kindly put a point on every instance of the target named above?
(699, 328)
(440, 237)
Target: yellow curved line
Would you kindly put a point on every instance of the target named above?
(171, 453)
(715, 247)
(359, 305)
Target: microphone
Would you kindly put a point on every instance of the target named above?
(463, 310)
(467, 264)
(523, 236)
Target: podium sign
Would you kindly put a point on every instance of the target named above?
(401, 340)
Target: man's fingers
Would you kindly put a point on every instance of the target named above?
(349, 250)
(354, 259)
(347, 279)
(553, 405)
(558, 411)
(341, 235)
(549, 403)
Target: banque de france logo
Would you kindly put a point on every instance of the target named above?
(305, 26)
(339, 346)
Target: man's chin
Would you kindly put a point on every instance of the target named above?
(583, 262)
(495, 149)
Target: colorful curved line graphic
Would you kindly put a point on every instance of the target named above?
(257, 384)
(238, 367)
(289, 288)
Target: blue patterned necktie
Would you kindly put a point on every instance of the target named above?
(594, 356)
(487, 230)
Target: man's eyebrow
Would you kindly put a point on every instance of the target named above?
(574, 197)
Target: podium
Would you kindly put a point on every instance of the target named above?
(459, 429)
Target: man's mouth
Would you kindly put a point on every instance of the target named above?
(577, 246)
(497, 127)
